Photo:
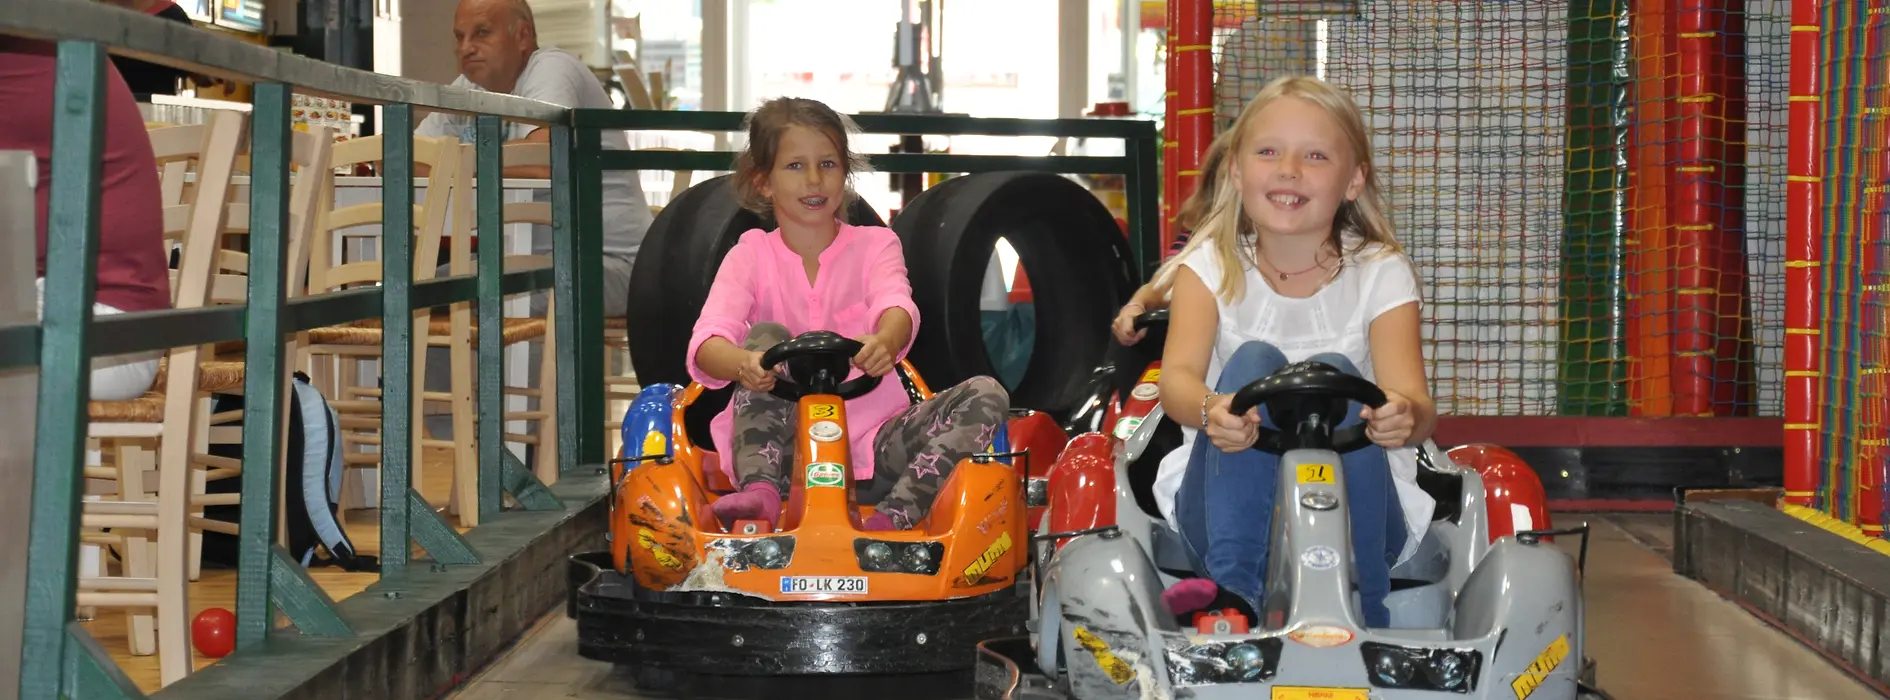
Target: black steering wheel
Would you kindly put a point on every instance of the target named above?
(817, 363)
(1307, 399)
(1158, 317)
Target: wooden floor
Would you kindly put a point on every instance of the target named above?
(216, 588)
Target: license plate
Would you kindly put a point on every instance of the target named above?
(831, 585)
(1285, 693)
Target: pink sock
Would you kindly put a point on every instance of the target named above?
(879, 521)
(1189, 595)
(756, 501)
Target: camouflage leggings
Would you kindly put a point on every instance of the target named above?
(913, 453)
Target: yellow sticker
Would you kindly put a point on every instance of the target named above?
(1294, 693)
(1315, 473)
(989, 558)
(1526, 684)
(654, 444)
(823, 410)
(1112, 666)
(647, 540)
(1152, 376)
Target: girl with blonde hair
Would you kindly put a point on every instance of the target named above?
(1295, 259)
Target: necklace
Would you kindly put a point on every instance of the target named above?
(1318, 260)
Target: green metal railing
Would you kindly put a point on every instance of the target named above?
(60, 659)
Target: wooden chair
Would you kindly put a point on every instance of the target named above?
(156, 576)
(358, 402)
(463, 332)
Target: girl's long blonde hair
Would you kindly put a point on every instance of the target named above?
(1228, 231)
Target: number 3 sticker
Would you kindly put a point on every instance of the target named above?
(825, 410)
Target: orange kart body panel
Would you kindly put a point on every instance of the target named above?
(664, 535)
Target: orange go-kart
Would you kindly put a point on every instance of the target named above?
(683, 597)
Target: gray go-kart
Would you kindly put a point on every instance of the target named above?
(1478, 611)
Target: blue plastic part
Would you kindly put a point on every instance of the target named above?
(653, 411)
(1001, 442)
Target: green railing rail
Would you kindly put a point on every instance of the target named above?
(59, 659)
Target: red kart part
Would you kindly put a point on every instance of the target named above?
(1083, 485)
(1513, 494)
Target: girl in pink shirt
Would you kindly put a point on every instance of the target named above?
(812, 273)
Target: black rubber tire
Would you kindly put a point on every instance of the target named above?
(1079, 264)
(676, 265)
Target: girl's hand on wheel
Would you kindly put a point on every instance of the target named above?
(753, 377)
(1390, 425)
(1227, 431)
(1124, 326)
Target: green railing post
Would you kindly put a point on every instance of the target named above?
(65, 377)
(1145, 201)
(261, 563)
(564, 252)
(263, 376)
(396, 335)
(491, 402)
(588, 237)
(401, 505)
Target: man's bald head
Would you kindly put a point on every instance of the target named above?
(495, 38)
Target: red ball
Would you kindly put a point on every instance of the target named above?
(214, 632)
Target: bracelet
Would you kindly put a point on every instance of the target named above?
(1205, 400)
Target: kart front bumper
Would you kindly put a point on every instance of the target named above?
(729, 634)
(1007, 670)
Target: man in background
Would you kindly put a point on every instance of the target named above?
(498, 51)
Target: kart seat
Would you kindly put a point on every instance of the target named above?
(1147, 466)
(1444, 487)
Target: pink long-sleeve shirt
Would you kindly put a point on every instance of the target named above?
(862, 275)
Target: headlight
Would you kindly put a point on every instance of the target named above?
(1212, 663)
(742, 554)
(1420, 668)
(881, 556)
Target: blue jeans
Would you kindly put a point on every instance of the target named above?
(1226, 500)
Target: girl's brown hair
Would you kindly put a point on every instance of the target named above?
(765, 126)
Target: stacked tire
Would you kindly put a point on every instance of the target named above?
(1070, 246)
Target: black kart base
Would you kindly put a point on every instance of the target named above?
(732, 645)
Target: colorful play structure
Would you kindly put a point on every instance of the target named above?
(1623, 209)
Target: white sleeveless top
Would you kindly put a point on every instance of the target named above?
(1335, 319)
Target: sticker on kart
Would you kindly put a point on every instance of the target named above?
(825, 474)
(1313, 473)
(1289, 693)
(982, 565)
(1526, 684)
(823, 585)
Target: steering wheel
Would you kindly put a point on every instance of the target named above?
(817, 362)
(1158, 317)
(1308, 399)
